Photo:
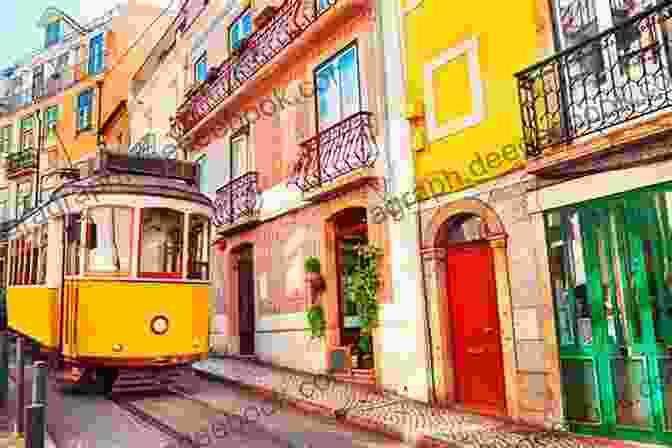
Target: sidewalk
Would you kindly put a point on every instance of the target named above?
(413, 422)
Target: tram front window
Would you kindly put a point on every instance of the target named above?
(161, 243)
(109, 239)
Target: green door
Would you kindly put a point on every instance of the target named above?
(609, 262)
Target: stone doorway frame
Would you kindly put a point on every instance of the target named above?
(434, 269)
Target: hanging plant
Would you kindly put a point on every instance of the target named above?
(365, 285)
(316, 321)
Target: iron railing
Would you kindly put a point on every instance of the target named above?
(258, 50)
(19, 161)
(618, 75)
(237, 200)
(338, 150)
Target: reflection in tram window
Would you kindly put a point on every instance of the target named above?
(199, 247)
(161, 243)
(73, 234)
(110, 229)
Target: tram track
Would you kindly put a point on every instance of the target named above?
(192, 422)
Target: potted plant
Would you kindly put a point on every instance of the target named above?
(313, 277)
(365, 290)
(316, 321)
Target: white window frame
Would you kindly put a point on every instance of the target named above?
(470, 48)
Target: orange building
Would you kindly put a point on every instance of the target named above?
(64, 99)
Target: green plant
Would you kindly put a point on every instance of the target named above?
(365, 285)
(316, 321)
(312, 264)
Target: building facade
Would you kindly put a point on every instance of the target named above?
(289, 119)
(595, 118)
(484, 307)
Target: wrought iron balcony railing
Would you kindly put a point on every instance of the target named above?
(237, 200)
(621, 74)
(19, 161)
(260, 48)
(338, 150)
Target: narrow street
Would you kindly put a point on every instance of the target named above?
(204, 411)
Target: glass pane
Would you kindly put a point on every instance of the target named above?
(327, 90)
(665, 384)
(664, 299)
(626, 294)
(577, 271)
(611, 312)
(237, 149)
(350, 261)
(113, 230)
(580, 390)
(633, 403)
(559, 279)
(349, 83)
(162, 233)
(198, 247)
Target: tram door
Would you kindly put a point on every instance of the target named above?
(615, 317)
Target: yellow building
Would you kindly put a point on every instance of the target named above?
(466, 140)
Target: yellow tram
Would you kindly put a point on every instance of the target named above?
(110, 275)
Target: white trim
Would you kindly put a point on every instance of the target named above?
(470, 47)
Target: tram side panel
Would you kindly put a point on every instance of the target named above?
(33, 312)
(115, 320)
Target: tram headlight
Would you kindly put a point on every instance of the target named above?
(159, 325)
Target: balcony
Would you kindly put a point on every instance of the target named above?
(19, 163)
(238, 202)
(291, 20)
(336, 152)
(606, 81)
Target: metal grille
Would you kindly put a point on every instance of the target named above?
(606, 80)
(238, 199)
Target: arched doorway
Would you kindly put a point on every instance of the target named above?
(244, 277)
(471, 304)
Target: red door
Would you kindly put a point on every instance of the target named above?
(472, 299)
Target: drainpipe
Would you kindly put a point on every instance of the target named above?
(99, 133)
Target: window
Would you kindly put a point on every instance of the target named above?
(201, 68)
(4, 206)
(5, 139)
(323, 4)
(54, 33)
(240, 29)
(161, 243)
(203, 173)
(96, 55)
(73, 228)
(38, 82)
(239, 155)
(109, 229)
(199, 247)
(51, 118)
(23, 198)
(84, 110)
(27, 142)
(337, 83)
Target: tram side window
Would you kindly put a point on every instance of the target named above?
(161, 243)
(199, 247)
(111, 230)
(28, 259)
(3, 265)
(73, 243)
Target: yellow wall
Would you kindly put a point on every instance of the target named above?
(507, 43)
(33, 311)
(120, 313)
